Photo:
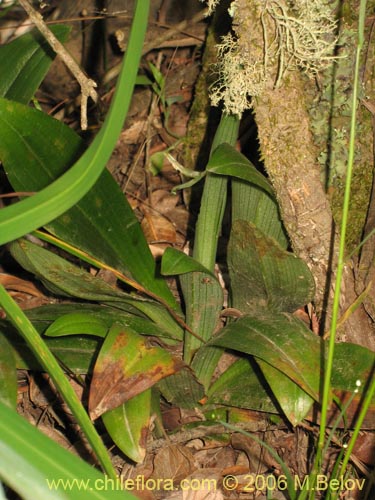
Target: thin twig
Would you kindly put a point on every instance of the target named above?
(158, 41)
(87, 85)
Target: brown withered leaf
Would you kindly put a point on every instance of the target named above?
(126, 366)
(157, 228)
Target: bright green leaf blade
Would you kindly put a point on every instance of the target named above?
(264, 275)
(8, 374)
(18, 219)
(128, 425)
(67, 190)
(28, 454)
(126, 366)
(52, 367)
(36, 149)
(78, 323)
(243, 385)
(282, 341)
(226, 160)
(25, 61)
(77, 354)
(294, 402)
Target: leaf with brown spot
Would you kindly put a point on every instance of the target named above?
(126, 366)
(128, 425)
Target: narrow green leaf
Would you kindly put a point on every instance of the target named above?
(128, 425)
(78, 354)
(8, 374)
(65, 278)
(226, 160)
(126, 366)
(205, 300)
(36, 140)
(264, 275)
(25, 61)
(282, 341)
(52, 367)
(61, 276)
(41, 463)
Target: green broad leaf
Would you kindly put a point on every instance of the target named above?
(226, 160)
(81, 323)
(175, 263)
(48, 313)
(252, 204)
(205, 362)
(263, 275)
(282, 341)
(78, 323)
(8, 374)
(351, 362)
(295, 402)
(25, 61)
(160, 317)
(61, 276)
(65, 278)
(204, 298)
(242, 385)
(126, 366)
(35, 149)
(128, 425)
(44, 466)
(61, 320)
(76, 354)
(182, 389)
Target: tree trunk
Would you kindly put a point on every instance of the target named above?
(291, 156)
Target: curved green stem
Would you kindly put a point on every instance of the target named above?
(52, 201)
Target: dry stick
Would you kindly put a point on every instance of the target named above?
(87, 85)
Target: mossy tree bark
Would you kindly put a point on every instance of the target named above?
(290, 155)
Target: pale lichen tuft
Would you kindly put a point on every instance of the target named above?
(296, 34)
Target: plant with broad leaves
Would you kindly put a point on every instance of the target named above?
(126, 341)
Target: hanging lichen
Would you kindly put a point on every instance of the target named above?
(295, 34)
